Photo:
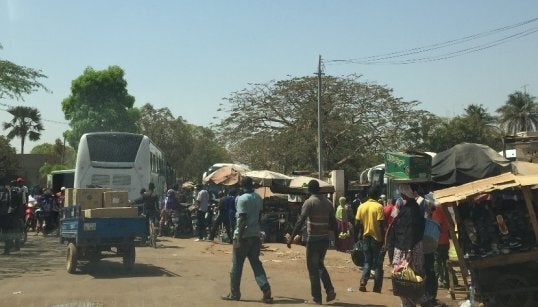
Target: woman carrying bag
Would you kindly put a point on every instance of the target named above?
(406, 233)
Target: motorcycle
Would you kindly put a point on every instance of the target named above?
(30, 220)
(40, 220)
(169, 223)
(184, 220)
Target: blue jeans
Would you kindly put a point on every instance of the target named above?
(250, 248)
(200, 224)
(315, 257)
(373, 260)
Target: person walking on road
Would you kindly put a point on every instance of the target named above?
(318, 213)
(202, 205)
(370, 227)
(407, 233)
(247, 243)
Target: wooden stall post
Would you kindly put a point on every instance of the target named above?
(459, 252)
(532, 214)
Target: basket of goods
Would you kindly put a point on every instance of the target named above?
(406, 283)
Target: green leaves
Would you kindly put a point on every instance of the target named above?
(16, 80)
(274, 125)
(520, 113)
(99, 101)
(26, 122)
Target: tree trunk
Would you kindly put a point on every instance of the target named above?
(22, 145)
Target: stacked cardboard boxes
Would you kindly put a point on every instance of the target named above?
(101, 203)
(112, 199)
(121, 212)
(89, 198)
(68, 201)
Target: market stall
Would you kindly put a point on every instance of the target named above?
(496, 229)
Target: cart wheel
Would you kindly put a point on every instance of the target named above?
(129, 258)
(507, 285)
(72, 258)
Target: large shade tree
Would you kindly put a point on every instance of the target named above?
(99, 101)
(62, 154)
(476, 125)
(170, 134)
(17, 80)
(274, 125)
(26, 123)
(519, 113)
(189, 149)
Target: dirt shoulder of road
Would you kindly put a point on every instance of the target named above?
(180, 272)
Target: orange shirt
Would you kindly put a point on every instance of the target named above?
(439, 216)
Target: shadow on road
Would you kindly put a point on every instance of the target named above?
(109, 270)
(37, 256)
(282, 300)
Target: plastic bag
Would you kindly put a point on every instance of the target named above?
(357, 254)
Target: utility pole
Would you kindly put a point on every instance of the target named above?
(320, 168)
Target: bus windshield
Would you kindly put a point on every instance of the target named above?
(113, 147)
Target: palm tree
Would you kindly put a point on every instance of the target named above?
(520, 113)
(26, 122)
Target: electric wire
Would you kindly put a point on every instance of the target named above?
(43, 119)
(382, 59)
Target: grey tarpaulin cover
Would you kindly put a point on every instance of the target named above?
(467, 162)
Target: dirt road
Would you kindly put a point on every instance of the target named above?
(180, 272)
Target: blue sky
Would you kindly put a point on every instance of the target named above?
(188, 55)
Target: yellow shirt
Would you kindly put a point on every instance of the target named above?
(369, 214)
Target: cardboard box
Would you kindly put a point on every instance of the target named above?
(120, 212)
(89, 198)
(113, 199)
(400, 165)
(68, 201)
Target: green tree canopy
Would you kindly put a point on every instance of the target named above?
(475, 126)
(274, 125)
(26, 122)
(63, 155)
(206, 151)
(189, 149)
(16, 80)
(46, 169)
(519, 113)
(99, 101)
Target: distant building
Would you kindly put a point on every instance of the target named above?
(525, 144)
(29, 168)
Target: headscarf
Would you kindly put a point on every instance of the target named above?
(406, 190)
(340, 209)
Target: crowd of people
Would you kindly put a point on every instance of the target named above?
(409, 229)
(412, 231)
(22, 210)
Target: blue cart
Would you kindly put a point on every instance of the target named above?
(92, 239)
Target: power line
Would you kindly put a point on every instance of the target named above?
(466, 51)
(45, 120)
(382, 59)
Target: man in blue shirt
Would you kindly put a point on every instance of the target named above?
(247, 244)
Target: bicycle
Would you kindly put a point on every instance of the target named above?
(152, 229)
(152, 232)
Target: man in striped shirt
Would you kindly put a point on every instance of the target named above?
(318, 213)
